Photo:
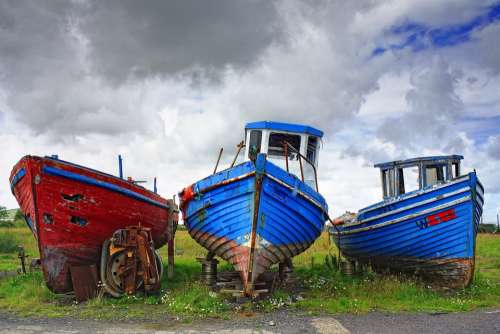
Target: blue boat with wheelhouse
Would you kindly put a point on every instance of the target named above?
(426, 224)
(265, 210)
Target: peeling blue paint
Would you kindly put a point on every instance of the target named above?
(15, 180)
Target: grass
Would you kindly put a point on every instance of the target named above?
(488, 256)
(333, 292)
(8, 242)
(10, 239)
(324, 289)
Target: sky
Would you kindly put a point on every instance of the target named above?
(167, 83)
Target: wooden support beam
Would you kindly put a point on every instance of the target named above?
(170, 242)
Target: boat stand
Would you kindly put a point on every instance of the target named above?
(229, 282)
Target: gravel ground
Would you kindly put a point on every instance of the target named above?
(486, 321)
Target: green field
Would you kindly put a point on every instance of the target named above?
(322, 289)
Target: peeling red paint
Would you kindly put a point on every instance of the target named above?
(186, 195)
(72, 219)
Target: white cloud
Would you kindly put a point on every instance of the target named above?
(315, 67)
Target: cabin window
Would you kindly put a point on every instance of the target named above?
(255, 142)
(401, 182)
(456, 169)
(408, 179)
(434, 174)
(312, 146)
(387, 183)
(276, 144)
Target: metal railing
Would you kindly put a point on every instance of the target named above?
(287, 146)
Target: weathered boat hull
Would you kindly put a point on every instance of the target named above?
(431, 232)
(253, 215)
(72, 209)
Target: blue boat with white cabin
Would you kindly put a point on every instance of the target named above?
(426, 224)
(265, 210)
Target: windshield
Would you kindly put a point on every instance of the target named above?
(276, 148)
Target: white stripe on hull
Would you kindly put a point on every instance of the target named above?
(407, 217)
(414, 205)
(416, 194)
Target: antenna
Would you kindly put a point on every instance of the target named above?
(120, 166)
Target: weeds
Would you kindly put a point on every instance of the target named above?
(322, 288)
(8, 242)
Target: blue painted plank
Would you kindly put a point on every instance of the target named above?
(289, 127)
(388, 233)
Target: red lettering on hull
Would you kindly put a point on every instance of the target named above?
(441, 217)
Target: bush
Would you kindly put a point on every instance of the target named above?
(487, 228)
(3, 213)
(6, 224)
(19, 216)
(17, 220)
(8, 242)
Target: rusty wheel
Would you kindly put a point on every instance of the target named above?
(115, 273)
(159, 263)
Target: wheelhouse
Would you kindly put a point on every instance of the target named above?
(292, 147)
(403, 176)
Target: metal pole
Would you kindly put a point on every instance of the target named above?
(286, 155)
(301, 169)
(120, 166)
(316, 179)
(22, 256)
(155, 187)
(218, 160)
(239, 146)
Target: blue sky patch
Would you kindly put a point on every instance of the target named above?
(480, 129)
(418, 37)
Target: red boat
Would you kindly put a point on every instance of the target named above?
(72, 210)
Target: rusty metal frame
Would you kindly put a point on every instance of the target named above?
(139, 267)
(239, 146)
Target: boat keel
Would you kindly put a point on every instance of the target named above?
(445, 273)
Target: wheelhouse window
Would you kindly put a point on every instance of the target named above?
(434, 174)
(387, 183)
(456, 170)
(312, 148)
(408, 179)
(402, 177)
(276, 148)
(255, 142)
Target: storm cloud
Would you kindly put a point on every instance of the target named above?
(166, 83)
(133, 39)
